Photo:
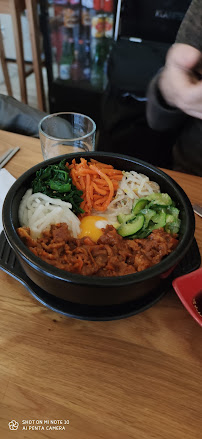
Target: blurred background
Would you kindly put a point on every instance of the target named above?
(90, 56)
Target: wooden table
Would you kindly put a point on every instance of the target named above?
(135, 378)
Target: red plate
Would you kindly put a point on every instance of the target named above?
(189, 290)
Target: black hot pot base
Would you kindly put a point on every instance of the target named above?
(9, 263)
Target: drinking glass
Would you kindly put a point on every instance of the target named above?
(63, 133)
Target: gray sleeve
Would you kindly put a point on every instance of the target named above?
(160, 116)
(190, 30)
(18, 117)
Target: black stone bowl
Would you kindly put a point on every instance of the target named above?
(89, 290)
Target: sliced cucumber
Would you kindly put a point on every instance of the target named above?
(155, 211)
(172, 220)
(127, 229)
(159, 219)
(169, 218)
(124, 218)
(148, 214)
(173, 227)
(173, 211)
(159, 199)
(139, 205)
(141, 234)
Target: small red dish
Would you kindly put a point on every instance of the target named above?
(189, 290)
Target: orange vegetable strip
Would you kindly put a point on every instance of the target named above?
(75, 180)
(100, 207)
(112, 171)
(82, 183)
(98, 182)
(101, 200)
(116, 177)
(115, 184)
(91, 192)
(82, 164)
(103, 188)
(85, 172)
(82, 204)
(72, 165)
(96, 197)
(101, 165)
(99, 190)
(102, 175)
(107, 179)
(83, 160)
(88, 191)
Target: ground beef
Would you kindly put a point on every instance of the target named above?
(112, 255)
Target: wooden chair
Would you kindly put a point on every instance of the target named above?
(4, 65)
(15, 8)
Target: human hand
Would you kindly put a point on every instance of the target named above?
(179, 81)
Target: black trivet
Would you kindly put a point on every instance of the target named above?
(10, 264)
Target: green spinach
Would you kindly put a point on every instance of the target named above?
(55, 182)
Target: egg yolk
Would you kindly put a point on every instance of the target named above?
(91, 226)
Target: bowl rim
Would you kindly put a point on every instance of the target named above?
(50, 271)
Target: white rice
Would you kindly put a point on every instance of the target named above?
(39, 212)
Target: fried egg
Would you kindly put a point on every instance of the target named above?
(91, 226)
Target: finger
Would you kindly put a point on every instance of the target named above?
(184, 56)
(196, 114)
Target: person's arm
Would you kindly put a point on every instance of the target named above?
(177, 89)
(160, 115)
(190, 30)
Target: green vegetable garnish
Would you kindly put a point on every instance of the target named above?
(131, 227)
(149, 213)
(55, 182)
(58, 186)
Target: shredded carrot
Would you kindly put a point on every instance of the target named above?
(98, 181)
(100, 165)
